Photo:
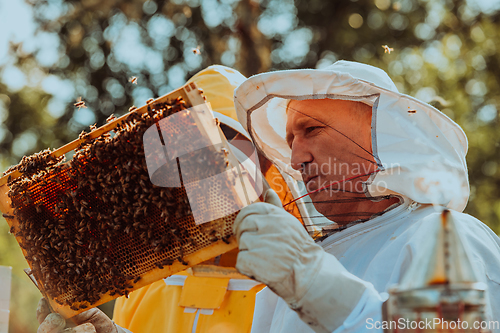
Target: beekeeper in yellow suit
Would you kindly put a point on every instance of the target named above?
(212, 297)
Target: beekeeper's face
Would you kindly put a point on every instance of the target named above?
(331, 142)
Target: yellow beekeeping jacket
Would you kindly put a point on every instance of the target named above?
(206, 298)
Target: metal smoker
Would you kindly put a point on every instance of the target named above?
(440, 292)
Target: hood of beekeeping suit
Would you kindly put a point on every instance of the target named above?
(419, 150)
(218, 84)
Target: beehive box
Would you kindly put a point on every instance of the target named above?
(143, 197)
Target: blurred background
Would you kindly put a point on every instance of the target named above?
(54, 51)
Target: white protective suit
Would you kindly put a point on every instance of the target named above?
(422, 156)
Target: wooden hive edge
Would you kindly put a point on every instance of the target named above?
(189, 92)
(156, 274)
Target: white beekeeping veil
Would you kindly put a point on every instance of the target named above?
(419, 150)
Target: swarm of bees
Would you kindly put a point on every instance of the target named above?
(30, 165)
(96, 224)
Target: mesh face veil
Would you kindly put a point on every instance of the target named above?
(330, 142)
(416, 151)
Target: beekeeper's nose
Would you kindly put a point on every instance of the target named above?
(301, 155)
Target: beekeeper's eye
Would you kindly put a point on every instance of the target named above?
(313, 129)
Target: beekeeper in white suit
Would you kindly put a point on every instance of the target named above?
(388, 165)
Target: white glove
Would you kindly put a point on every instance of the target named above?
(275, 249)
(90, 321)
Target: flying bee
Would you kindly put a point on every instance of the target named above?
(133, 80)
(79, 103)
(387, 49)
(196, 50)
(8, 216)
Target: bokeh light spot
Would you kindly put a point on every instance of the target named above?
(487, 113)
(383, 4)
(355, 21)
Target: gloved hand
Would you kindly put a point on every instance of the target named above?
(90, 321)
(276, 250)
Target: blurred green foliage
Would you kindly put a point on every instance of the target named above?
(445, 53)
